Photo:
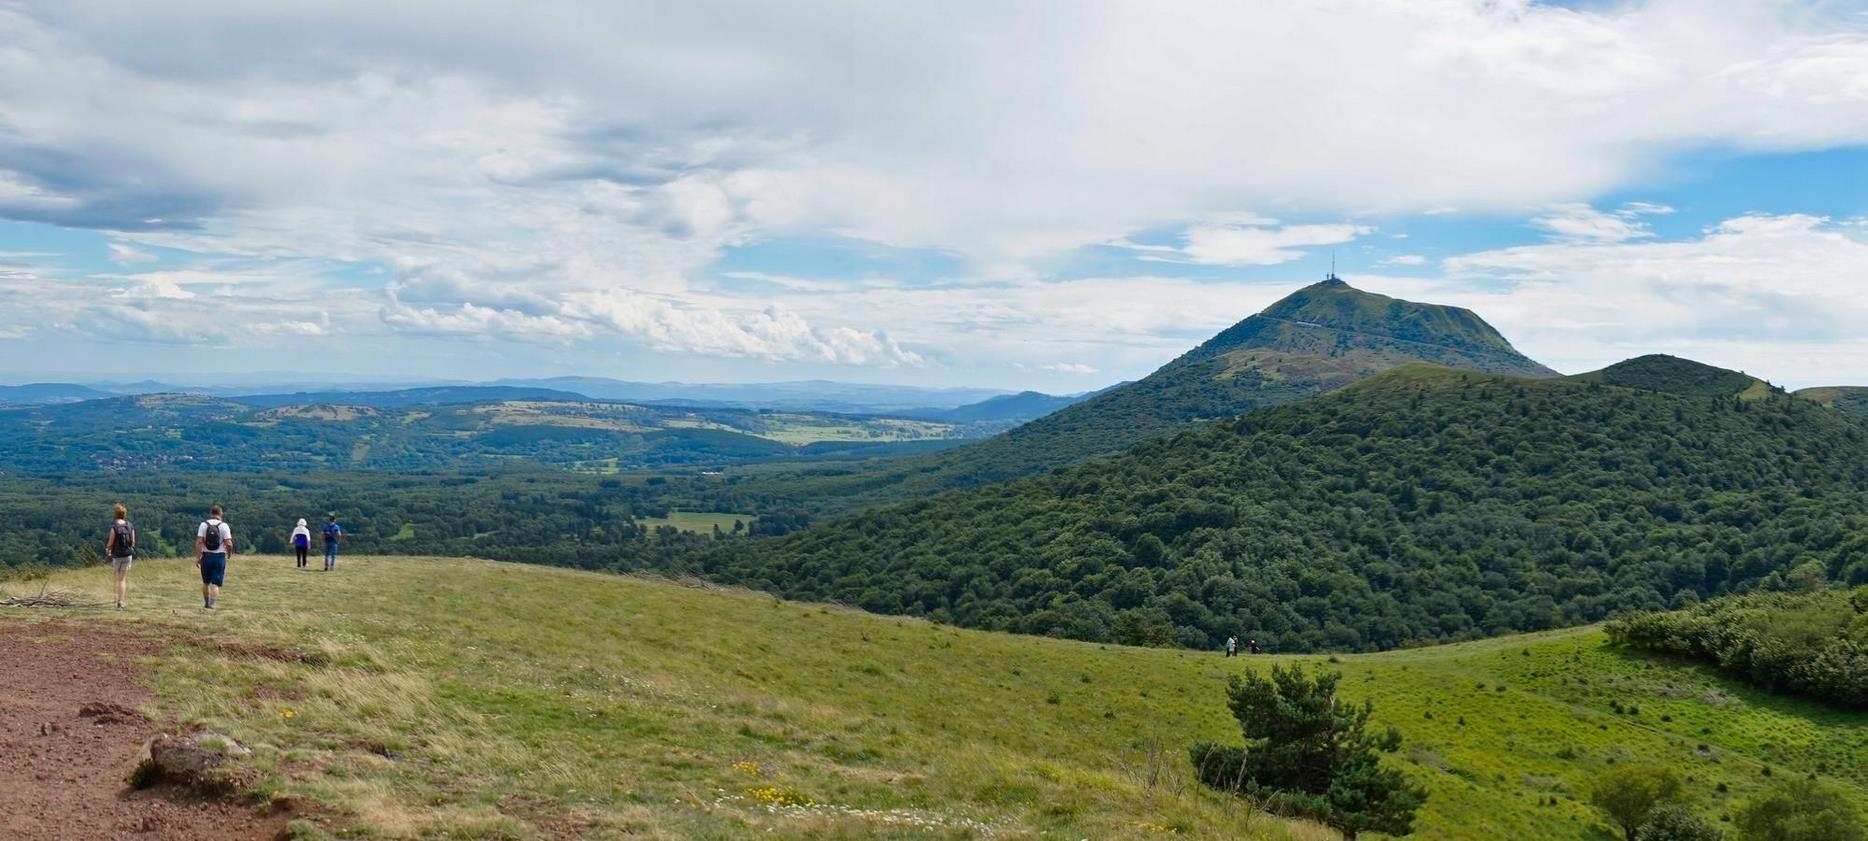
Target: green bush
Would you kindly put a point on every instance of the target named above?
(1677, 823)
(1629, 794)
(1801, 810)
(1308, 755)
(1813, 644)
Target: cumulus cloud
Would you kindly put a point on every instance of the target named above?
(1248, 241)
(128, 255)
(1576, 222)
(772, 333)
(1781, 296)
(1405, 260)
(566, 175)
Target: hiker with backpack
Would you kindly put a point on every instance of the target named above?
(213, 545)
(120, 548)
(332, 534)
(301, 542)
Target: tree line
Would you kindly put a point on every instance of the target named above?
(1422, 506)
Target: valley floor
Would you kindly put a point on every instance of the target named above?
(415, 697)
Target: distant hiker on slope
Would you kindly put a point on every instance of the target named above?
(213, 545)
(332, 534)
(1232, 646)
(120, 548)
(301, 542)
(1252, 646)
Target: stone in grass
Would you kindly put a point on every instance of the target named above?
(206, 761)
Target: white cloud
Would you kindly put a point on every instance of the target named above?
(772, 333)
(1070, 368)
(128, 255)
(1405, 260)
(1780, 296)
(567, 175)
(1576, 222)
(1251, 241)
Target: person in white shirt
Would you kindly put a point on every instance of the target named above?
(213, 546)
(301, 542)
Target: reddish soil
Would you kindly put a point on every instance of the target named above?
(70, 734)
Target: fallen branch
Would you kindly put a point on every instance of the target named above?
(48, 598)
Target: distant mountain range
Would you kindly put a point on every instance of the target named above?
(1020, 407)
(442, 428)
(427, 396)
(33, 393)
(804, 395)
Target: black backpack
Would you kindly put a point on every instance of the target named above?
(125, 543)
(212, 540)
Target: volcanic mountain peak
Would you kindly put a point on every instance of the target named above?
(1337, 333)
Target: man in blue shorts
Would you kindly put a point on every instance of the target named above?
(213, 545)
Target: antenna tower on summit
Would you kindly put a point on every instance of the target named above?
(1332, 267)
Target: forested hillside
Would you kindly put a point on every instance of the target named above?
(1425, 504)
(1321, 337)
(1848, 399)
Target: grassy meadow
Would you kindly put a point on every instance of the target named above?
(415, 697)
(697, 522)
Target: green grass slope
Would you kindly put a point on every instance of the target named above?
(1321, 337)
(409, 697)
(1421, 505)
(1848, 399)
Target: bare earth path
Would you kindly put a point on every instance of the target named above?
(69, 735)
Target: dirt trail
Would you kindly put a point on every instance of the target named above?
(69, 735)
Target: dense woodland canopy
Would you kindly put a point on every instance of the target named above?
(1423, 505)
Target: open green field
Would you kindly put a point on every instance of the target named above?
(698, 522)
(458, 698)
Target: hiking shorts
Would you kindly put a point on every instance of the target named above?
(122, 565)
(213, 569)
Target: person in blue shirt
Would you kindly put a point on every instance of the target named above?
(332, 534)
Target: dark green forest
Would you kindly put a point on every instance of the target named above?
(1423, 505)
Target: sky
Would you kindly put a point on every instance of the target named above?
(1050, 195)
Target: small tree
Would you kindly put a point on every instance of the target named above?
(1629, 793)
(1677, 823)
(1310, 755)
(1801, 810)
